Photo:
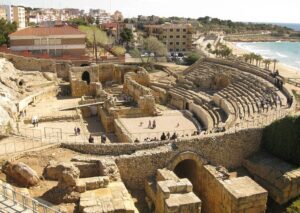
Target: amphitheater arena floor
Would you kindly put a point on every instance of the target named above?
(171, 121)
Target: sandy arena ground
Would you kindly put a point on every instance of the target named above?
(168, 122)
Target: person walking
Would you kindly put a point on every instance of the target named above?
(91, 139)
(78, 131)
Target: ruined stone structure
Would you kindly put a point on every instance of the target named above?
(197, 170)
(168, 193)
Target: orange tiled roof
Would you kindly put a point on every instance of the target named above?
(46, 31)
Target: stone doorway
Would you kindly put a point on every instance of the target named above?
(86, 77)
(189, 169)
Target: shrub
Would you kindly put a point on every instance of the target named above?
(118, 50)
(191, 58)
(294, 208)
(282, 139)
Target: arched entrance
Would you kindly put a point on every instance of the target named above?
(86, 77)
(189, 165)
(186, 169)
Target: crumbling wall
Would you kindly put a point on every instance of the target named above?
(134, 87)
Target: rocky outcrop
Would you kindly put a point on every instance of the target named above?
(21, 173)
(54, 170)
(68, 178)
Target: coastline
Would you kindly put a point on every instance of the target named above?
(284, 69)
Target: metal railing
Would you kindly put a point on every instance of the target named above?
(25, 202)
(17, 146)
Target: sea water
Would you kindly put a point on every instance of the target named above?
(285, 52)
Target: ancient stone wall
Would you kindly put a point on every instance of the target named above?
(134, 86)
(100, 74)
(61, 67)
(227, 149)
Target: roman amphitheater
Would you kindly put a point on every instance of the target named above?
(81, 137)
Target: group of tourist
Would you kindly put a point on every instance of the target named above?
(77, 131)
(23, 113)
(35, 121)
(92, 140)
(166, 136)
(278, 83)
(152, 125)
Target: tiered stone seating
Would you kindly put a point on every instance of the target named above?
(199, 99)
(212, 87)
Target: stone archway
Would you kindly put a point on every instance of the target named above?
(86, 77)
(189, 165)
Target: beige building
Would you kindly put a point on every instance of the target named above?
(14, 13)
(55, 41)
(2, 13)
(178, 38)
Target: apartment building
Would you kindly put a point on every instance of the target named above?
(55, 41)
(2, 13)
(179, 38)
(15, 13)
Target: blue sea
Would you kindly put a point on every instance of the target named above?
(285, 52)
(295, 27)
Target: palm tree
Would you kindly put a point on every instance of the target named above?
(252, 57)
(259, 58)
(267, 63)
(246, 57)
(274, 61)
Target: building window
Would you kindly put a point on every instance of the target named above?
(183, 50)
(171, 50)
(178, 36)
(184, 36)
(177, 50)
(183, 43)
(184, 30)
(37, 42)
(171, 30)
(43, 41)
(165, 43)
(171, 36)
(177, 43)
(178, 30)
(54, 41)
(171, 43)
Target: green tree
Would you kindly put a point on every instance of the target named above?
(90, 20)
(192, 58)
(97, 21)
(153, 47)
(6, 28)
(208, 46)
(274, 63)
(78, 21)
(222, 51)
(126, 35)
(267, 63)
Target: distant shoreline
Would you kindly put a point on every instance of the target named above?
(284, 69)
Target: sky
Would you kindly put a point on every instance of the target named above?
(278, 11)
